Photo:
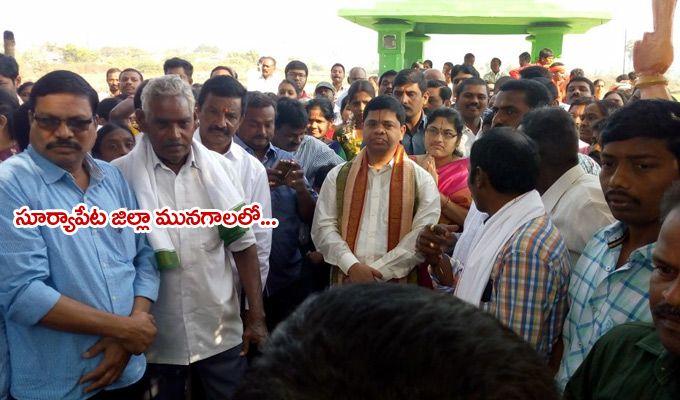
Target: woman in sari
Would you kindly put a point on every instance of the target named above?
(443, 161)
(350, 135)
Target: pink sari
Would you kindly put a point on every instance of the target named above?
(453, 182)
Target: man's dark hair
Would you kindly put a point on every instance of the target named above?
(525, 56)
(57, 82)
(509, 158)
(428, 62)
(324, 105)
(338, 65)
(21, 126)
(496, 59)
(360, 86)
(435, 83)
(320, 175)
(357, 342)
(606, 107)
(9, 67)
(535, 71)
(141, 77)
(632, 75)
(176, 62)
(466, 69)
(229, 69)
(535, 94)
(112, 71)
(651, 119)
(102, 133)
(222, 86)
(554, 131)
(258, 100)
(625, 96)
(451, 115)
(137, 98)
(297, 64)
(24, 86)
(545, 53)
(8, 106)
(581, 101)
(549, 85)
(471, 82)
(386, 74)
(386, 102)
(583, 79)
(290, 112)
(670, 200)
(449, 64)
(105, 106)
(577, 72)
(409, 77)
(445, 93)
(468, 55)
(622, 77)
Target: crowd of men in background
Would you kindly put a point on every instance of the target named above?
(538, 210)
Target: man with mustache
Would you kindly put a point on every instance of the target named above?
(410, 89)
(371, 209)
(128, 82)
(640, 360)
(472, 99)
(293, 202)
(609, 284)
(220, 107)
(200, 331)
(76, 307)
(386, 82)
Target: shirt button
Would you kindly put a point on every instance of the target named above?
(580, 345)
(608, 269)
(115, 298)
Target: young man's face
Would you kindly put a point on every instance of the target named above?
(8, 84)
(635, 174)
(179, 71)
(509, 108)
(112, 81)
(664, 285)
(577, 90)
(472, 102)
(257, 128)
(337, 75)
(299, 76)
(577, 113)
(129, 82)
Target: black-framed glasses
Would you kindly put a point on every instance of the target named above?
(76, 125)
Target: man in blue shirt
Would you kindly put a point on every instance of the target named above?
(75, 307)
(293, 202)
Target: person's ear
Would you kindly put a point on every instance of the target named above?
(17, 82)
(403, 131)
(3, 123)
(426, 96)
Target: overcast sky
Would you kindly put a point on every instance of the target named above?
(308, 29)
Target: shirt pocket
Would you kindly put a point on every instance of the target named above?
(123, 241)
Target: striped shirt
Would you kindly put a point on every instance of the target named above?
(314, 154)
(529, 283)
(589, 165)
(602, 296)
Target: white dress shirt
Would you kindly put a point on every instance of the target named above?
(468, 139)
(197, 313)
(371, 243)
(577, 207)
(253, 177)
(263, 85)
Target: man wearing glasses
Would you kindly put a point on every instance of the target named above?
(76, 307)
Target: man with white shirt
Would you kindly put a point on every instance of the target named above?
(220, 110)
(573, 198)
(266, 82)
(370, 209)
(472, 99)
(197, 312)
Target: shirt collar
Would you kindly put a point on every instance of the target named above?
(555, 192)
(666, 364)
(51, 172)
(190, 161)
(271, 150)
(419, 126)
(229, 153)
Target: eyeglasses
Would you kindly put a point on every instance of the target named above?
(447, 134)
(76, 125)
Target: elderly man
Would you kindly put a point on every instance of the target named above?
(220, 108)
(510, 260)
(267, 81)
(639, 360)
(76, 307)
(371, 209)
(197, 302)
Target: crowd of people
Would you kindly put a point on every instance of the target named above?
(440, 234)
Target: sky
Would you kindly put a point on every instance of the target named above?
(305, 29)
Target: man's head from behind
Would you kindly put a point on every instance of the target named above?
(9, 74)
(356, 74)
(168, 118)
(179, 67)
(220, 108)
(290, 124)
(664, 285)
(515, 99)
(352, 342)
(504, 163)
(61, 112)
(524, 59)
(640, 159)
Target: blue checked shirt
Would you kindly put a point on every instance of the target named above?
(602, 296)
(102, 268)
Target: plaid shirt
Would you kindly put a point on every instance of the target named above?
(530, 279)
(602, 296)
